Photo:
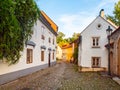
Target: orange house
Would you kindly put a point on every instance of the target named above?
(68, 50)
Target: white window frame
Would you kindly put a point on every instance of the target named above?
(42, 55)
(95, 42)
(95, 62)
(29, 54)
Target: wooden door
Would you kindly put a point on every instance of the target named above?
(111, 63)
(119, 57)
(49, 56)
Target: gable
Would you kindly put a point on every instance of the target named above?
(94, 25)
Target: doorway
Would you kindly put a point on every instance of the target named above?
(49, 59)
(111, 63)
(118, 57)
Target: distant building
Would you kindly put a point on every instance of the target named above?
(39, 52)
(115, 52)
(93, 56)
(68, 50)
(59, 52)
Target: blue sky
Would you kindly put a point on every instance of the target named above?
(74, 15)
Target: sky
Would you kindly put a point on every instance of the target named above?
(75, 15)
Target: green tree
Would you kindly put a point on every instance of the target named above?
(60, 37)
(116, 14)
(75, 55)
(17, 18)
(74, 37)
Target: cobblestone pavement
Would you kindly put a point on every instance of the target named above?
(62, 76)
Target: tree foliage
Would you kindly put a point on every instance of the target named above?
(17, 18)
(116, 14)
(61, 40)
(60, 37)
(74, 37)
(75, 55)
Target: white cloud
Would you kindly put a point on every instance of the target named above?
(106, 4)
(75, 22)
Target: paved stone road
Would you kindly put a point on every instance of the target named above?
(62, 76)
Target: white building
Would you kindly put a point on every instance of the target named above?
(59, 52)
(39, 52)
(92, 51)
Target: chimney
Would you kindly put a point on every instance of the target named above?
(102, 13)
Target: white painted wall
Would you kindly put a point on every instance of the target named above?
(36, 38)
(86, 52)
(59, 52)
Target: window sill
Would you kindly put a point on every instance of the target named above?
(95, 46)
(29, 62)
(96, 67)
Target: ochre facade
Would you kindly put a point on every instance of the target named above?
(68, 50)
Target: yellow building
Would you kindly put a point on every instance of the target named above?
(68, 50)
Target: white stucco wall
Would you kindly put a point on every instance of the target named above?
(59, 52)
(86, 52)
(36, 38)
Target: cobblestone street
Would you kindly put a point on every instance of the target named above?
(62, 76)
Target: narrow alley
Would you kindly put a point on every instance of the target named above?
(62, 76)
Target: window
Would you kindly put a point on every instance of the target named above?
(29, 56)
(49, 40)
(42, 30)
(99, 26)
(53, 55)
(53, 41)
(95, 42)
(43, 37)
(95, 62)
(42, 55)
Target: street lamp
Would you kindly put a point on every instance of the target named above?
(109, 31)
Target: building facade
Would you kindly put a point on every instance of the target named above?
(68, 51)
(93, 54)
(39, 52)
(115, 52)
(59, 53)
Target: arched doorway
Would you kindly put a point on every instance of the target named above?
(111, 63)
(118, 57)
